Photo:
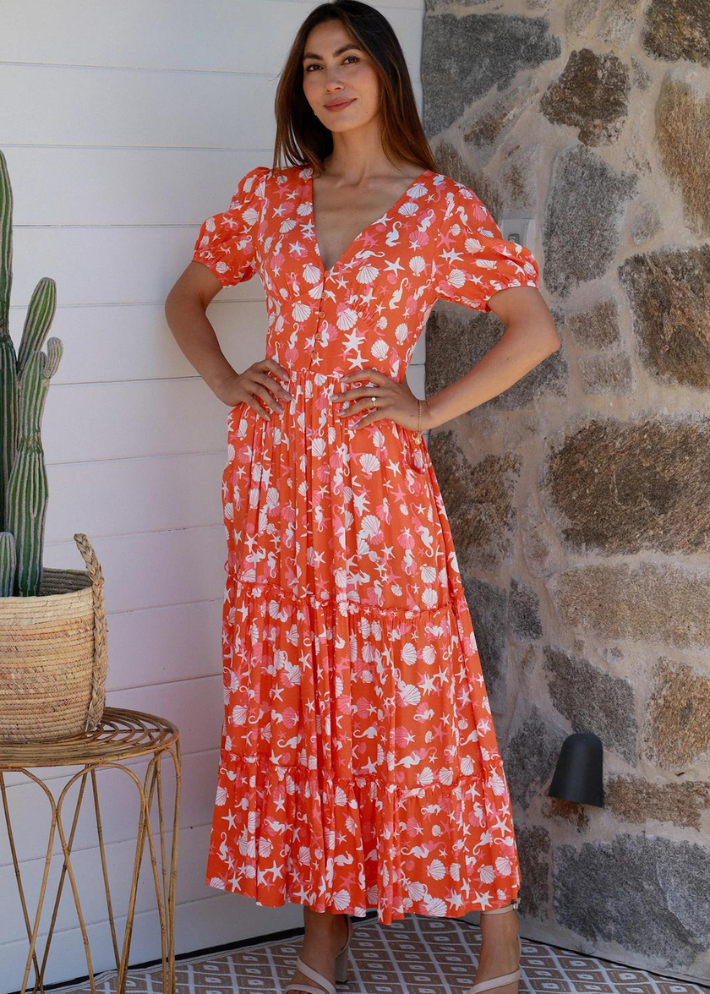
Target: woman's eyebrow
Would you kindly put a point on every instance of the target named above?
(338, 51)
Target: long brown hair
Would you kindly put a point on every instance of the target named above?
(302, 139)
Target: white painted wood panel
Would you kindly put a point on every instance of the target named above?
(212, 921)
(216, 110)
(153, 36)
(154, 569)
(122, 134)
(104, 344)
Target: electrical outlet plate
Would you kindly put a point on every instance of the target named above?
(518, 228)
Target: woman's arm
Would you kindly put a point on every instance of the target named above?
(185, 308)
(529, 337)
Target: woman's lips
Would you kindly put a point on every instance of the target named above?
(341, 105)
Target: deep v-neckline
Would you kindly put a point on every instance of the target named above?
(378, 220)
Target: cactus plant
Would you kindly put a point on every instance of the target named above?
(24, 381)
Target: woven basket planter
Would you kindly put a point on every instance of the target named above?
(53, 655)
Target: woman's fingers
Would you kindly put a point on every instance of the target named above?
(272, 384)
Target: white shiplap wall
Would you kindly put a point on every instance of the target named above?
(124, 127)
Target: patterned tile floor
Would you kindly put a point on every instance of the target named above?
(416, 955)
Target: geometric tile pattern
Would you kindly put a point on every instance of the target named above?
(416, 955)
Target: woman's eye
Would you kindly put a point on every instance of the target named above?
(314, 65)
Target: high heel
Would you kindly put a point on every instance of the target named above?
(507, 978)
(341, 970)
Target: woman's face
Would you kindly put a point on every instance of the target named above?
(336, 71)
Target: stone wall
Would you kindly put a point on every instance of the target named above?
(579, 498)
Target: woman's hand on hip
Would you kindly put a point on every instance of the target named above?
(384, 398)
(256, 387)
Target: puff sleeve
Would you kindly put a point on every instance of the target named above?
(227, 242)
(475, 260)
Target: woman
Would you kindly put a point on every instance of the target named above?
(359, 766)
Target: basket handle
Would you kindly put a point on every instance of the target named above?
(98, 679)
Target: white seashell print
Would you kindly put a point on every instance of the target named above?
(367, 274)
(446, 775)
(429, 654)
(239, 715)
(380, 349)
(436, 907)
(221, 798)
(425, 777)
(301, 311)
(430, 597)
(347, 319)
(428, 574)
(417, 264)
(371, 525)
(409, 654)
(436, 869)
(318, 447)
(311, 273)
(417, 891)
(486, 874)
(401, 333)
(457, 278)
(497, 784)
(409, 694)
(342, 899)
(408, 208)
(418, 190)
(504, 866)
(369, 462)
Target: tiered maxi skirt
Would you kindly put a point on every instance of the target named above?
(359, 766)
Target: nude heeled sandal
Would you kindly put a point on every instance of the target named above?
(341, 970)
(507, 978)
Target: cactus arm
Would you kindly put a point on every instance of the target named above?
(55, 350)
(9, 421)
(8, 563)
(27, 488)
(5, 246)
(38, 320)
(27, 511)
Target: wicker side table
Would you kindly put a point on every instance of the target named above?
(122, 735)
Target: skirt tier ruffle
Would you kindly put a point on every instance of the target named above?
(353, 781)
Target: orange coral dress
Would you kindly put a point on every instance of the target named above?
(359, 766)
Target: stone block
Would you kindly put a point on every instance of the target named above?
(592, 700)
(533, 843)
(651, 602)
(667, 290)
(465, 57)
(591, 94)
(531, 752)
(649, 894)
(607, 374)
(677, 729)
(677, 29)
(640, 801)
(479, 499)
(626, 487)
(581, 233)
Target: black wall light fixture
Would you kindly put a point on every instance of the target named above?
(579, 774)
